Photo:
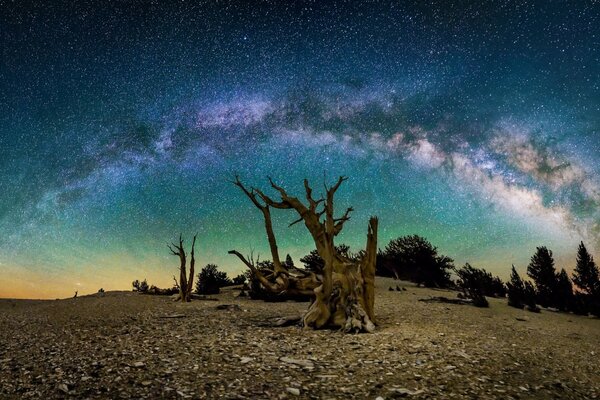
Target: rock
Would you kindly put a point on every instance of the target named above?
(294, 391)
(403, 392)
(63, 388)
(139, 364)
(146, 383)
(326, 376)
(302, 363)
(245, 360)
(173, 316)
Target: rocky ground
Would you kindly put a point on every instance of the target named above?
(125, 345)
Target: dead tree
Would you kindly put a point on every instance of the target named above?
(344, 293)
(185, 284)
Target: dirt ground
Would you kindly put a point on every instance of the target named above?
(122, 346)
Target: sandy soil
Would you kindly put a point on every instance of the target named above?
(121, 346)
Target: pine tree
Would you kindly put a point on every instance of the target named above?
(586, 275)
(563, 293)
(541, 270)
(516, 290)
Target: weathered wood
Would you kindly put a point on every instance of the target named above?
(344, 293)
(185, 284)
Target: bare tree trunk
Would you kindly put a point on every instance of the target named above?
(185, 284)
(190, 281)
(344, 295)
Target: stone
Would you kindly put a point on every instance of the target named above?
(294, 391)
(302, 363)
(63, 388)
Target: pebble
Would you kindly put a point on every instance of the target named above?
(63, 388)
(294, 391)
(303, 363)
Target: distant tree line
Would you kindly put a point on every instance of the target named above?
(145, 288)
(209, 280)
(415, 259)
(555, 289)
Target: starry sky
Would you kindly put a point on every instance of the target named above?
(474, 124)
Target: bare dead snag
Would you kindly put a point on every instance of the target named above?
(344, 294)
(185, 284)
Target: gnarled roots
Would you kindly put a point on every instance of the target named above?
(345, 308)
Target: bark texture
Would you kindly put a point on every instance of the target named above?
(343, 295)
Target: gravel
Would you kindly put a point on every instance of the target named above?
(126, 345)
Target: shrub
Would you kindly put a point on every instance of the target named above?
(475, 283)
(211, 280)
(239, 280)
(162, 292)
(416, 259)
(313, 261)
(141, 287)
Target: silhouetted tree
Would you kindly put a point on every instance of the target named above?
(488, 284)
(497, 287)
(141, 287)
(516, 290)
(472, 282)
(529, 298)
(211, 280)
(239, 280)
(586, 275)
(563, 291)
(541, 270)
(314, 263)
(580, 303)
(416, 259)
(289, 263)
(386, 267)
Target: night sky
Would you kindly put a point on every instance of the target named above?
(474, 124)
